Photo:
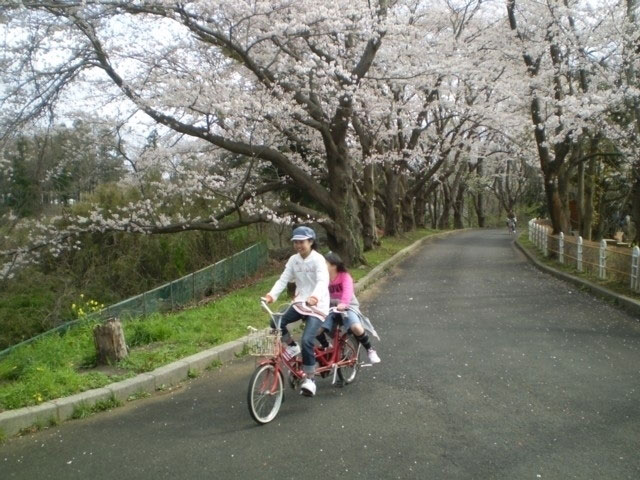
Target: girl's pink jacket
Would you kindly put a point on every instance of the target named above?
(341, 290)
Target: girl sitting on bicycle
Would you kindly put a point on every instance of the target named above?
(344, 298)
(308, 270)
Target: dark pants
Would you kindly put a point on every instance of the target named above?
(311, 328)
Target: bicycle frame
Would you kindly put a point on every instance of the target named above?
(266, 387)
(328, 360)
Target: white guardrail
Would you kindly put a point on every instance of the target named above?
(540, 234)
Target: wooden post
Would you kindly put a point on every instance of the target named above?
(635, 269)
(602, 260)
(109, 341)
(579, 254)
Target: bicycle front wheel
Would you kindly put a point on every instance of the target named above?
(265, 394)
(349, 352)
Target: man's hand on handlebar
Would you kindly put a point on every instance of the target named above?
(342, 307)
(268, 298)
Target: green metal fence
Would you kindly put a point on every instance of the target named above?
(188, 289)
(193, 287)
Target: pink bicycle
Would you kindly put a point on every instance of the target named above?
(266, 387)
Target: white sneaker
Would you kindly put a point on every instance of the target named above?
(291, 351)
(308, 387)
(373, 356)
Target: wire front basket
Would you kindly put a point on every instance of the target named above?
(264, 343)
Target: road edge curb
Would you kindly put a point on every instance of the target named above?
(627, 304)
(58, 410)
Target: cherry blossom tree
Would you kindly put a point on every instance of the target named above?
(424, 111)
(570, 52)
(347, 113)
(274, 82)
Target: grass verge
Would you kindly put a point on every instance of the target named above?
(61, 365)
(614, 286)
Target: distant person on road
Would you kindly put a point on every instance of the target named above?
(343, 298)
(512, 221)
(308, 270)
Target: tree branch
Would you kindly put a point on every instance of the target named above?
(264, 152)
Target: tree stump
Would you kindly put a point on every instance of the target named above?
(110, 343)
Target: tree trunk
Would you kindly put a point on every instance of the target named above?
(110, 342)
(344, 237)
(479, 199)
(443, 220)
(549, 167)
(602, 221)
(554, 202)
(458, 208)
(580, 199)
(408, 215)
(563, 192)
(589, 194)
(434, 210)
(451, 194)
(420, 209)
(369, 227)
(478, 206)
(407, 210)
(392, 212)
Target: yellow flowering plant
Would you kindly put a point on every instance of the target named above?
(84, 307)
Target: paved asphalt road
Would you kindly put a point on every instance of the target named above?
(490, 370)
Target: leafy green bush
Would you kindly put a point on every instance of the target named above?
(107, 268)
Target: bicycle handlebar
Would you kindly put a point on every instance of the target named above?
(265, 305)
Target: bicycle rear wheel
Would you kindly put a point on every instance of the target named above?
(349, 351)
(265, 394)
